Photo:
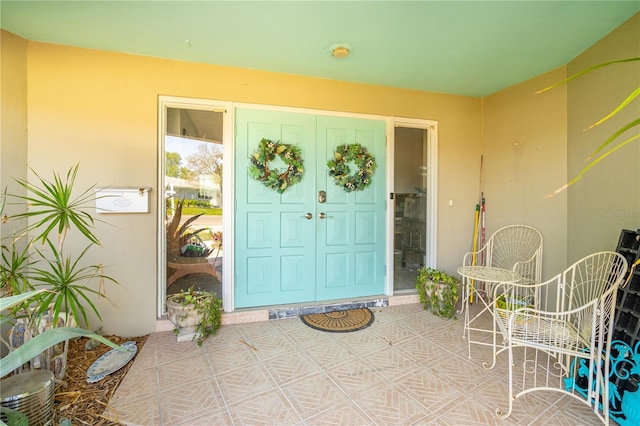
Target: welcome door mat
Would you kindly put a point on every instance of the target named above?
(340, 321)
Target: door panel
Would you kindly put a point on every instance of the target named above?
(284, 257)
(275, 243)
(351, 240)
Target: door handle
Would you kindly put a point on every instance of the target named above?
(323, 215)
(308, 216)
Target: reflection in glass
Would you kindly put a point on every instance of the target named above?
(193, 192)
(410, 196)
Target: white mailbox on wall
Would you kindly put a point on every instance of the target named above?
(122, 200)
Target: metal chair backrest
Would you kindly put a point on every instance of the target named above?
(562, 329)
(518, 248)
(589, 282)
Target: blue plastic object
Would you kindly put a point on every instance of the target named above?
(624, 378)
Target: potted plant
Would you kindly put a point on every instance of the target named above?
(34, 260)
(181, 240)
(438, 291)
(33, 348)
(19, 301)
(196, 312)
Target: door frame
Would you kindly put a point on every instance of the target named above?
(165, 102)
(431, 127)
(228, 201)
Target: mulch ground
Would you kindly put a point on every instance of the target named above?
(88, 403)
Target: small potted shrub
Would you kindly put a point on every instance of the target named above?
(438, 292)
(195, 311)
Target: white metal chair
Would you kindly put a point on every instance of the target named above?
(516, 248)
(560, 331)
(513, 247)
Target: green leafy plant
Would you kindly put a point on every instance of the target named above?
(36, 256)
(180, 235)
(206, 305)
(14, 417)
(438, 292)
(52, 206)
(605, 149)
(38, 344)
(14, 264)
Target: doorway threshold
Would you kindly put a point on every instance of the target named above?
(248, 315)
(294, 310)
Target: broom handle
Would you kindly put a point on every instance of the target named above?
(475, 247)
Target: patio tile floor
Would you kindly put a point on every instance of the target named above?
(408, 368)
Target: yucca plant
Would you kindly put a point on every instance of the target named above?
(14, 265)
(67, 281)
(178, 235)
(607, 147)
(52, 207)
(50, 211)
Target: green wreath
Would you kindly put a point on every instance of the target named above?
(274, 179)
(339, 167)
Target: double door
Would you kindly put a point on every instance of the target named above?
(314, 241)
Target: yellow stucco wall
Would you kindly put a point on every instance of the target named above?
(99, 109)
(525, 159)
(13, 117)
(607, 199)
(13, 129)
(552, 145)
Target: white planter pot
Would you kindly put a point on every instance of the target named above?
(185, 317)
(435, 298)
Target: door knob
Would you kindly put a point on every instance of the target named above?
(322, 215)
(308, 216)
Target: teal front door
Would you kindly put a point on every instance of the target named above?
(298, 246)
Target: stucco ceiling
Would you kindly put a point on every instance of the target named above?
(472, 48)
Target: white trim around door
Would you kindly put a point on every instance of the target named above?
(228, 206)
(432, 190)
(165, 102)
